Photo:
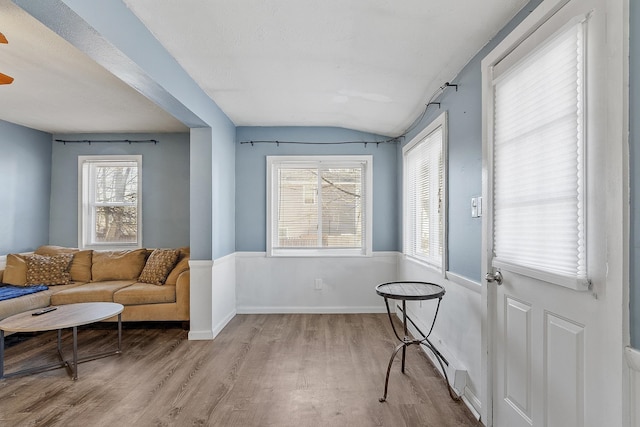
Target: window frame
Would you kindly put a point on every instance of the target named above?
(273, 162)
(440, 122)
(502, 66)
(85, 237)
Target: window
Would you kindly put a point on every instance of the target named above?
(110, 206)
(539, 161)
(319, 205)
(424, 160)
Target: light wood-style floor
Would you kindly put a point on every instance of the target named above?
(261, 370)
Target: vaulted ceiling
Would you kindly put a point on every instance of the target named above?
(369, 65)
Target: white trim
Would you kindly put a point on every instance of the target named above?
(632, 407)
(220, 325)
(464, 282)
(528, 26)
(200, 300)
(310, 310)
(200, 335)
(633, 358)
(83, 226)
(225, 259)
(567, 282)
(374, 254)
(200, 263)
(439, 122)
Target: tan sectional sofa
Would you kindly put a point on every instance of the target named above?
(107, 276)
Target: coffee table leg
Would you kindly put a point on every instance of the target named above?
(75, 352)
(1, 353)
(120, 333)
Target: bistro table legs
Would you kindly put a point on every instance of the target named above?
(406, 341)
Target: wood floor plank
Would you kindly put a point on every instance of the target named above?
(261, 370)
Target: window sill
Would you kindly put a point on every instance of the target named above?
(423, 263)
(315, 253)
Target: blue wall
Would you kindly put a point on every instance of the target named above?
(25, 165)
(165, 186)
(251, 178)
(223, 169)
(464, 108)
(634, 143)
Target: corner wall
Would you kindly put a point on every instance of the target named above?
(25, 193)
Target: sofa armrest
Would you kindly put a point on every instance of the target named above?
(183, 294)
(1, 275)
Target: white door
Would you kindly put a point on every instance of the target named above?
(545, 319)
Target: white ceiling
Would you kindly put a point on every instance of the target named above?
(59, 89)
(368, 65)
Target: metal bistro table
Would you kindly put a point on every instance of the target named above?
(412, 291)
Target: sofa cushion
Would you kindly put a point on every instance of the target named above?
(158, 266)
(181, 266)
(80, 266)
(48, 270)
(90, 292)
(15, 271)
(145, 293)
(117, 265)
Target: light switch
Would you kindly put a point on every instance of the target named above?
(476, 207)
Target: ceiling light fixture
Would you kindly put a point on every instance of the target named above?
(4, 79)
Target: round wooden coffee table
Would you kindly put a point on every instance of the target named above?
(64, 316)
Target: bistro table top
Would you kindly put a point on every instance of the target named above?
(410, 290)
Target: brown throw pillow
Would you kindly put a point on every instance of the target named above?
(158, 266)
(48, 270)
(80, 269)
(15, 271)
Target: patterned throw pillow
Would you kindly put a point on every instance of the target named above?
(158, 266)
(48, 270)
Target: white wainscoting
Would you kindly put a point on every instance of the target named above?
(288, 285)
(200, 312)
(213, 296)
(223, 304)
(633, 360)
(457, 332)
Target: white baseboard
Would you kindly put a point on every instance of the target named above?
(221, 324)
(200, 335)
(633, 361)
(310, 310)
(456, 373)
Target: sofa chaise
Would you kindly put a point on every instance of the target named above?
(151, 284)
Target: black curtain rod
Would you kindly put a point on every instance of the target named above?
(102, 141)
(388, 141)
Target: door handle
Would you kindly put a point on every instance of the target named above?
(494, 277)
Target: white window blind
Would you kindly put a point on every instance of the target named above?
(539, 167)
(110, 201)
(319, 206)
(424, 195)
